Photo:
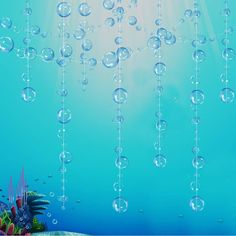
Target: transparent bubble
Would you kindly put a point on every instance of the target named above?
(47, 54)
(119, 13)
(25, 77)
(161, 32)
(108, 4)
(154, 43)
(170, 39)
(84, 9)
(6, 23)
(64, 116)
(52, 194)
(28, 11)
(49, 214)
(123, 53)
(199, 55)
(30, 53)
(110, 21)
(35, 30)
(120, 96)
(188, 13)
(118, 78)
(61, 133)
(158, 22)
(161, 125)
(110, 60)
(65, 157)
(6, 44)
(66, 50)
(138, 28)
(63, 9)
(160, 161)
(198, 162)
(118, 187)
(227, 95)
(79, 34)
(61, 62)
(92, 62)
(132, 20)
(196, 149)
(228, 54)
(118, 40)
(20, 52)
(195, 186)
(87, 45)
(197, 97)
(160, 69)
(122, 162)
(54, 221)
(197, 13)
(197, 203)
(62, 169)
(118, 150)
(227, 11)
(28, 94)
(120, 205)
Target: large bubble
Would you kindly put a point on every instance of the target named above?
(6, 44)
(84, 9)
(63, 9)
(120, 96)
(110, 60)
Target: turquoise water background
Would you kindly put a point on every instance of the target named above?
(158, 198)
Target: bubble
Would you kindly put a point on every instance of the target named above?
(123, 53)
(132, 20)
(197, 13)
(20, 52)
(120, 96)
(170, 39)
(161, 125)
(110, 60)
(87, 45)
(108, 4)
(66, 50)
(62, 169)
(119, 13)
(49, 214)
(92, 62)
(118, 78)
(25, 77)
(228, 54)
(84, 9)
(35, 30)
(28, 94)
(54, 221)
(198, 162)
(197, 203)
(52, 194)
(161, 32)
(118, 187)
(227, 12)
(227, 95)
(28, 11)
(6, 23)
(199, 55)
(158, 22)
(47, 54)
(160, 69)
(30, 53)
(160, 161)
(63, 9)
(6, 44)
(122, 162)
(64, 116)
(195, 186)
(65, 157)
(188, 13)
(138, 27)
(61, 62)
(109, 21)
(120, 205)
(118, 40)
(197, 97)
(154, 43)
(79, 34)
(61, 133)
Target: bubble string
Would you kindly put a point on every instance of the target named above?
(226, 43)
(120, 205)
(28, 36)
(197, 98)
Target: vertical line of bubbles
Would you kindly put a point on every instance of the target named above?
(120, 94)
(64, 114)
(197, 98)
(28, 93)
(227, 94)
(159, 70)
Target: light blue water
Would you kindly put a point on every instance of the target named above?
(158, 199)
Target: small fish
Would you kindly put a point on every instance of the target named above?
(78, 201)
(44, 182)
(0, 190)
(3, 207)
(36, 180)
(3, 196)
(50, 176)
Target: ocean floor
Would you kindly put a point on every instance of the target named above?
(58, 233)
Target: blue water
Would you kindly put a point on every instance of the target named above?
(158, 198)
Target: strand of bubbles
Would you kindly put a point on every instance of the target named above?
(197, 98)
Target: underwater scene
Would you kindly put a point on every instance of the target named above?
(118, 117)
